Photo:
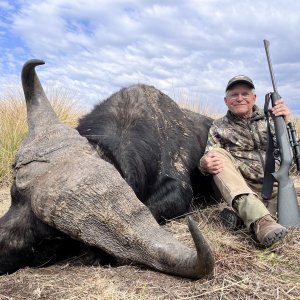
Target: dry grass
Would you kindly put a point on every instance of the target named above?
(13, 124)
(297, 122)
(202, 108)
(242, 271)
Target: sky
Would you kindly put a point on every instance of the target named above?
(187, 49)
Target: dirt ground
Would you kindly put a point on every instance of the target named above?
(242, 271)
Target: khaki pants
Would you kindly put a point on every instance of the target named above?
(231, 185)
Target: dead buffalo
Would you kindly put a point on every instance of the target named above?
(154, 145)
(63, 189)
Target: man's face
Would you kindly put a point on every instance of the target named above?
(240, 100)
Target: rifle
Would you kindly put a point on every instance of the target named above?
(287, 204)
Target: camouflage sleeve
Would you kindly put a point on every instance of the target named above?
(212, 142)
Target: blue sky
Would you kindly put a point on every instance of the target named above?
(187, 49)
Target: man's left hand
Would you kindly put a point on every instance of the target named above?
(280, 109)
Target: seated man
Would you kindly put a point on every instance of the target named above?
(235, 157)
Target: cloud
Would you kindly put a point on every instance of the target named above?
(185, 48)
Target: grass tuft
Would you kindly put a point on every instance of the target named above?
(13, 125)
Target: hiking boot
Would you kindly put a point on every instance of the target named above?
(267, 231)
(230, 219)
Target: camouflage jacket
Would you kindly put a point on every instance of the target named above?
(244, 139)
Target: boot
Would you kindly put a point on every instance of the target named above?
(230, 219)
(267, 231)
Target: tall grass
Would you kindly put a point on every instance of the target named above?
(13, 124)
(297, 124)
(190, 100)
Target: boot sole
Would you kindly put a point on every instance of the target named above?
(274, 237)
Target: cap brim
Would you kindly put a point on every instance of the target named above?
(239, 81)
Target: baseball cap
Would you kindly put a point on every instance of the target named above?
(239, 79)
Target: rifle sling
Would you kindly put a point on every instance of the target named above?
(270, 159)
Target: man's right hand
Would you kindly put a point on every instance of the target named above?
(212, 163)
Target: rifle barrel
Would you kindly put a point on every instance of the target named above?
(267, 44)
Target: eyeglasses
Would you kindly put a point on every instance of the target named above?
(235, 96)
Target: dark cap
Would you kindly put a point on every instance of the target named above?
(239, 79)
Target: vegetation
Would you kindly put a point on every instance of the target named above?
(13, 125)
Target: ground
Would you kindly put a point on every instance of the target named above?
(242, 271)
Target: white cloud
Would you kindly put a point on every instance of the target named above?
(181, 47)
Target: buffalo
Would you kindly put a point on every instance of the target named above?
(154, 145)
(106, 188)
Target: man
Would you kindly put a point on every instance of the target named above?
(235, 157)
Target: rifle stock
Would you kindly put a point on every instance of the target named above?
(287, 204)
(288, 211)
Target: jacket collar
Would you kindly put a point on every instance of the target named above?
(257, 114)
